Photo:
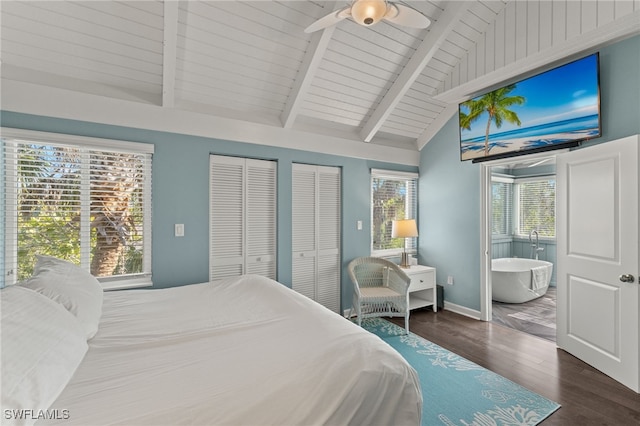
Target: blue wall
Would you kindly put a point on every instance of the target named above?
(181, 195)
(449, 190)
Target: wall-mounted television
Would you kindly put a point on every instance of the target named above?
(555, 109)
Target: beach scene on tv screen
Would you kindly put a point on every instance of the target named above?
(549, 109)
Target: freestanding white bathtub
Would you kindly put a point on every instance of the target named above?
(518, 280)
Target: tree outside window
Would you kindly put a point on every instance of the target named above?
(537, 207)
(87, 205)
(393, 196)
(533, 206)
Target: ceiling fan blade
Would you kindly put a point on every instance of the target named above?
(406, 16)
(328, 20)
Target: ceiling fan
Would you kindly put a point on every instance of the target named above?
(370, 12)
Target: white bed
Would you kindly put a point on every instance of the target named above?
(242, 351)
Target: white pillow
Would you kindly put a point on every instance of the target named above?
(72, 287)
(42, 346)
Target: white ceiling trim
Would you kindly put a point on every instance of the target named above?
(438, 33)
(169, 51)
(40, 100)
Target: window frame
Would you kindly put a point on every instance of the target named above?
(411, 244)
(9, 256)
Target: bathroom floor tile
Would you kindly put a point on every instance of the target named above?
(537, 317)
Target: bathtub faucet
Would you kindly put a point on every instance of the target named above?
(535, 248)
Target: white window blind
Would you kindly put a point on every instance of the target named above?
(501, 206)
(394, 196)
(536, 206)
(84, 200)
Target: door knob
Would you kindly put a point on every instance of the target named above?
(626, 278)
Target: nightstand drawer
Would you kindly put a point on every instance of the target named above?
(422, 281)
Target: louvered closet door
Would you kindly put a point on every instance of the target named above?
(328, 284)
(316, 233)
(226, 218)
(242, 217)
(303, 217)
(261, 218)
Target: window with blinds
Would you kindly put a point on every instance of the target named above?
(501, 206)
(394, 196)
(84, 200)
(536, 206)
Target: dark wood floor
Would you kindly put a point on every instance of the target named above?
(587, 396)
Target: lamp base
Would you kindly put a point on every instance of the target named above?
(404, 261)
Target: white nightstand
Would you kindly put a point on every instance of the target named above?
(422, 290)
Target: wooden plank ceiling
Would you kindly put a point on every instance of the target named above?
(252, 60)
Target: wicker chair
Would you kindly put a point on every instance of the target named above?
(379, 289)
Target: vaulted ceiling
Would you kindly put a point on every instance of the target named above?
(250, 63)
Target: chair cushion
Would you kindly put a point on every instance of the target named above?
(378, 292)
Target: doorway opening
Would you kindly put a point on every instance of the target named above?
(521, 245)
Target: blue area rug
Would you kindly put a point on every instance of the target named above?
(457, 391)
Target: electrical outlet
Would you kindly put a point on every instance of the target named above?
(450, 280)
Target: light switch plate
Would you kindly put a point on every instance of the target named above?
(179, 230)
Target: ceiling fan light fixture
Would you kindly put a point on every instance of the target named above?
(368, 12)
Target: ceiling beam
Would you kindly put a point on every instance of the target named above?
(169, 53)
(438, 33)
(310, 64)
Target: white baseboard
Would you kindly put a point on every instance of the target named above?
(462, 310)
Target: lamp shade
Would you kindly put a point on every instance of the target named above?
(368, 12)
(405, 228)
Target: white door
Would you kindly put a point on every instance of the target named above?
(261, 218)
(316, 214)
(242, 217)
(597, 223)
(304, 233)
(329, 215)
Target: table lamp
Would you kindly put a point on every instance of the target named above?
(405, 228)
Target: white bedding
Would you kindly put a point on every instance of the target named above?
(242, 351)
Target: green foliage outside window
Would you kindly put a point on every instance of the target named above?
(537, 207)
(390, 200)
(60, 187)
(500, 208)
(533, 207)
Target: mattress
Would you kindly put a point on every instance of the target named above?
(241, 351)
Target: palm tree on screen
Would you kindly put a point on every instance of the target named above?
(465, 123)
(496, 104)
